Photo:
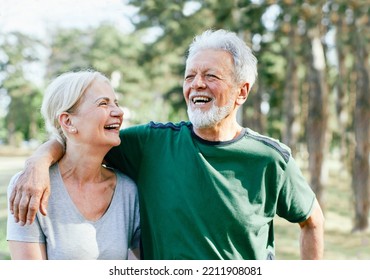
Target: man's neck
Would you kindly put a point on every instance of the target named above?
(219, 132)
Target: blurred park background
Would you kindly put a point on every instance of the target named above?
(312, 93)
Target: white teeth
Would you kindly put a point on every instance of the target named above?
(112, 126)
(201, 99)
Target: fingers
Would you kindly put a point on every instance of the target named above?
(14, 201)
(44, 202)
(27, 208)
(29, 188)
(24, 206)
(22, 209)
(19, 207)
(30, 212)
(11, 201)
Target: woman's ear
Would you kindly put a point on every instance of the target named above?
(65, 122)
(243, 94)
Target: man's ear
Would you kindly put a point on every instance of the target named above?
(243, 94)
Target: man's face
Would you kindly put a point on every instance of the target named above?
(209, 87)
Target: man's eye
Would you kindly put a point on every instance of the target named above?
(103, 103)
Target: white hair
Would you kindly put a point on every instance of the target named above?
(245, 63)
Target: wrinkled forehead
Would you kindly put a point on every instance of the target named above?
(208, 51)
(210, 59)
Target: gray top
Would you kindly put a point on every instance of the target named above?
(68, 235)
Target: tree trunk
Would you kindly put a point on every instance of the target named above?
(340, 102)
(11, 139)
(252, 116)
(317, 116)
(291, 101)
(360, 172)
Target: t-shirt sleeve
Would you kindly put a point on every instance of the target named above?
(130, 199)
(27, 233)
(127, 156)
(135, 240)
(296, 198)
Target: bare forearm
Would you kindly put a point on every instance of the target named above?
(47, 154)
(312, 244)
(312, 235)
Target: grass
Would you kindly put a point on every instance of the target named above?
(8, 167)
(340, 243)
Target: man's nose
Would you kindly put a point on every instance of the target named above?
(198, 82)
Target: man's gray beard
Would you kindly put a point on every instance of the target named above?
(207, 119)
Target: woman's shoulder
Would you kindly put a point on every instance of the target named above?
(123, 180)
(13, 180)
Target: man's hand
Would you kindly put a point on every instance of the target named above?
(31, 192)
(32, 189)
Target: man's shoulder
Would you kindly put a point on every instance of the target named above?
(169, 125)
(155, 130)
(158, 125)
(270, 143)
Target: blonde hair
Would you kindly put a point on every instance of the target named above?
(62, 95)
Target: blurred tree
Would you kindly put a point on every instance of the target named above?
(336, 15)
(69, 49)
(117, 55)
(174, 24)
(22, 120)
(350, 20)
(259, 24)
(288, 33)
(317, 118)
(361, 168)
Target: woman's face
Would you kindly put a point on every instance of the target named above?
(98, 117)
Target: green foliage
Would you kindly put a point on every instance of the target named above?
(22, 120)
(69, 51)
(24, 105)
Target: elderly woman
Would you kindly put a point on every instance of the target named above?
(93, 211)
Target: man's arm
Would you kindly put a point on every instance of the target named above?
(33, 185)
(312, 235)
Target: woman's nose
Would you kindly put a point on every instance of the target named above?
(116, 112)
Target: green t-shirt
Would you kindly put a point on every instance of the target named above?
(204, 200)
